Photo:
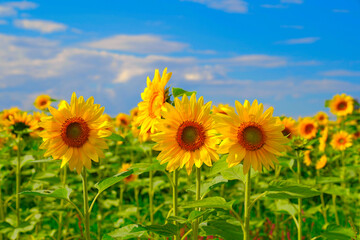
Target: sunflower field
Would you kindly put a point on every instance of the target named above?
(177, 167)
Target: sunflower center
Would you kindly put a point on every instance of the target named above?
(309, 128)
(190, 136)
(123, 122)
(321, 118)
(251, 136)
(154, 103)
(342, 105)
(341, 141)
(43, 102)
(286, 132)
(75, 132)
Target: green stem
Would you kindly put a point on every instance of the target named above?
(61, 205)
(18, 179)
(175, 200)
(121, 197)
(247, 206)
(86, 205)
(323, 208)
(335, 211)
(151, 193)
(299, 199)
(196, 223)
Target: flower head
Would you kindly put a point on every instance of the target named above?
(341, 141)
(125, 167)
(186, 135)
(342, 105)
(154, 98)
(323, 139)
(21, 121)
(307, 159)
(308, 128)
(322, 162)
(289, 127)
(222, 108)
(122, 120)
(42, 102)
(322, 118)
(75, 132)
(250, 135)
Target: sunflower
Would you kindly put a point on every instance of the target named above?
(37, 117)
(134, 112)
(222, 108)
(122, 120)
(42, 102)
(323, 139)
(186, 135)
(21, 121)
(322, 118)
(289, 127)
(307, 128)
(75, 132)
(341, 141)
(125, 167)
(342, 105)
(322, 162)
(154, 97)
(250, 135)
(5, 115)
(307, 159)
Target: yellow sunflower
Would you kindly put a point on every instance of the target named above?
(37, 117)
(341, 141)
(307, 128)
(134, 112)
(323, 139)
(154, 98)
(307, 159)
(122, 120)
(21, 121)
(186, 135)
(222, 108)
(251, 135)
(125, 167)
(289, 127)
(322, 118)
(342, 105)
(42, 102)
(75, 132)
(5, 115)
(322, 162)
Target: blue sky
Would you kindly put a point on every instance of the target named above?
(290, 54)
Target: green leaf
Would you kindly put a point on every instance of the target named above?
(140, 168)
(108, 182)
(197, 214)
(178, 219)
(283, 189)
(179, 92)
(211, 202)
(335, 190)
(236, 173)
(208, 186)
(323, 180)
(223, 229)
(335, 232)
(284, 205)
(168, 229)
(128, 232)
(115, 137)
(61, 193)
(327, 103)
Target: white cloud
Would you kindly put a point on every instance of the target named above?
(230, 6)
(145, 43)
(23, 5)
(273, 6)
(40, 25)
(254, 60)
(3, 22)
(340, 10)
(6, 11)
(293, 26)
(307, 40)
(292, 1)
(341, 73)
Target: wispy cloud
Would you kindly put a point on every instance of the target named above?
(11, 8)
(307, 40)
(341, 73)
(40, 25)
(254, 60)
(340, 10)
(292, 1)
(273, 6)
(145, 43)
(293, 26)
(230, 6)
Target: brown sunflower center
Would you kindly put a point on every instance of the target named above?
(342, 105)
(251, 136)
(123, 122)
(43, 102)
(75, 132)
(321, 118)
(19, 127)
(154, 103)
(286, 132)
(190, 135)
(309, 128)
(341, 141)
